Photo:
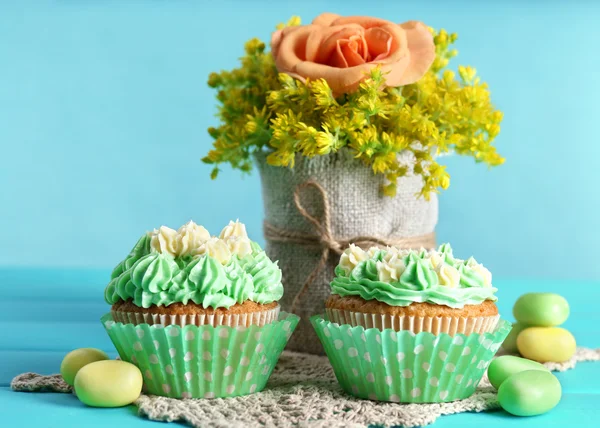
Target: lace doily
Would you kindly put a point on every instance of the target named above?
(302, 391)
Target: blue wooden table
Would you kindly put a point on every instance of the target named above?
(48, 312)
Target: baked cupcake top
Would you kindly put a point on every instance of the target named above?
(168, 266)
(401, 277)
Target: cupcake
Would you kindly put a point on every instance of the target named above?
(417, 291)
(410, 326)
(198, 314)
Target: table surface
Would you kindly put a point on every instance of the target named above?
(48, 312)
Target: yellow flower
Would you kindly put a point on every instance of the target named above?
(260, 109)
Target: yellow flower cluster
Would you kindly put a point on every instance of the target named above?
(261, 110)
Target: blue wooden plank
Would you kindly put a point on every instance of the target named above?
(22, 409)
(54, 283)
(52, 336)
(19, 310)
(65, 411)
(574, 410)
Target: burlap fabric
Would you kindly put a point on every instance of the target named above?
(357, 208)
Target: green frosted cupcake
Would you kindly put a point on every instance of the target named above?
(198, 314)
(189, 277)
(410, 326)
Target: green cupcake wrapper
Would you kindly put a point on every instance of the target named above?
(407, 367)
(205, 361)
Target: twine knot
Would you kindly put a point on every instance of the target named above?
(325, 240)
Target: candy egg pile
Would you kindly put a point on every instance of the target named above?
(100, 382)
(536, 334)
(525, 388)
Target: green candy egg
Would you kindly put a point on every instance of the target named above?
(109, 383)
(510, 343)
(545, 344)
(529, 393)
(541, 309)
(503, 367)
(78, 358)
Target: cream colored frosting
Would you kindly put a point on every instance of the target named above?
(194, 240)
(390, 268)
(435, 259)
(165, 240)
(372, 251)
(191, 236)
(351, 257)
(239, 245)
(215, 248)
(448, 275)
(234, 229)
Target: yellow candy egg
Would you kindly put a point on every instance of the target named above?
(109, 383)
(75, 360)
(546, 344)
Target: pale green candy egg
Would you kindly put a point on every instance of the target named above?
(510, 343)
(545, 344)
(503, 367)
(78, 358)
(541, 309)
(109, 383)
(529, 393)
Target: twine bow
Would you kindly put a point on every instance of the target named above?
(325, 240)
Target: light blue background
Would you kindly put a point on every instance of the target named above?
(104, 110)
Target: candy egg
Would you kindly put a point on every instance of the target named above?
(544, 344)
(510, 343)
(541, 309)
(78, 358)
(529, 393)
(503, 367)
(109, 383)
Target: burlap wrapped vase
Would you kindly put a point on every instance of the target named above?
(315, 209)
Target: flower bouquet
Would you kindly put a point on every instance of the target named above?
(345, 119)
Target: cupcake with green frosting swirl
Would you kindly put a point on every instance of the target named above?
(410, 326)
(198, 314)
(413, 290)
(187, 276)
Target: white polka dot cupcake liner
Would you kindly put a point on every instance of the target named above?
(404, 367)
(416, 324)
(231, 320)
(202, 361)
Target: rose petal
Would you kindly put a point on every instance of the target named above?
(349, 50)
(313, 44)
(275, 41)
(398, 42)
(330, 37)
(337, 57)
(422, 52)
(325, 19)
(292, 47)
(364, 21)
(379, 41)
(395, 64)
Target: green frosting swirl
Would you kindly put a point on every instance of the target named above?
(150, 278)
(265, 274)
(418, 282)
(418, 275)
(468, 277)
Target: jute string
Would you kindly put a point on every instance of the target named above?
(325, 240)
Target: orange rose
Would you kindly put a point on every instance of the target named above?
(343, 50)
